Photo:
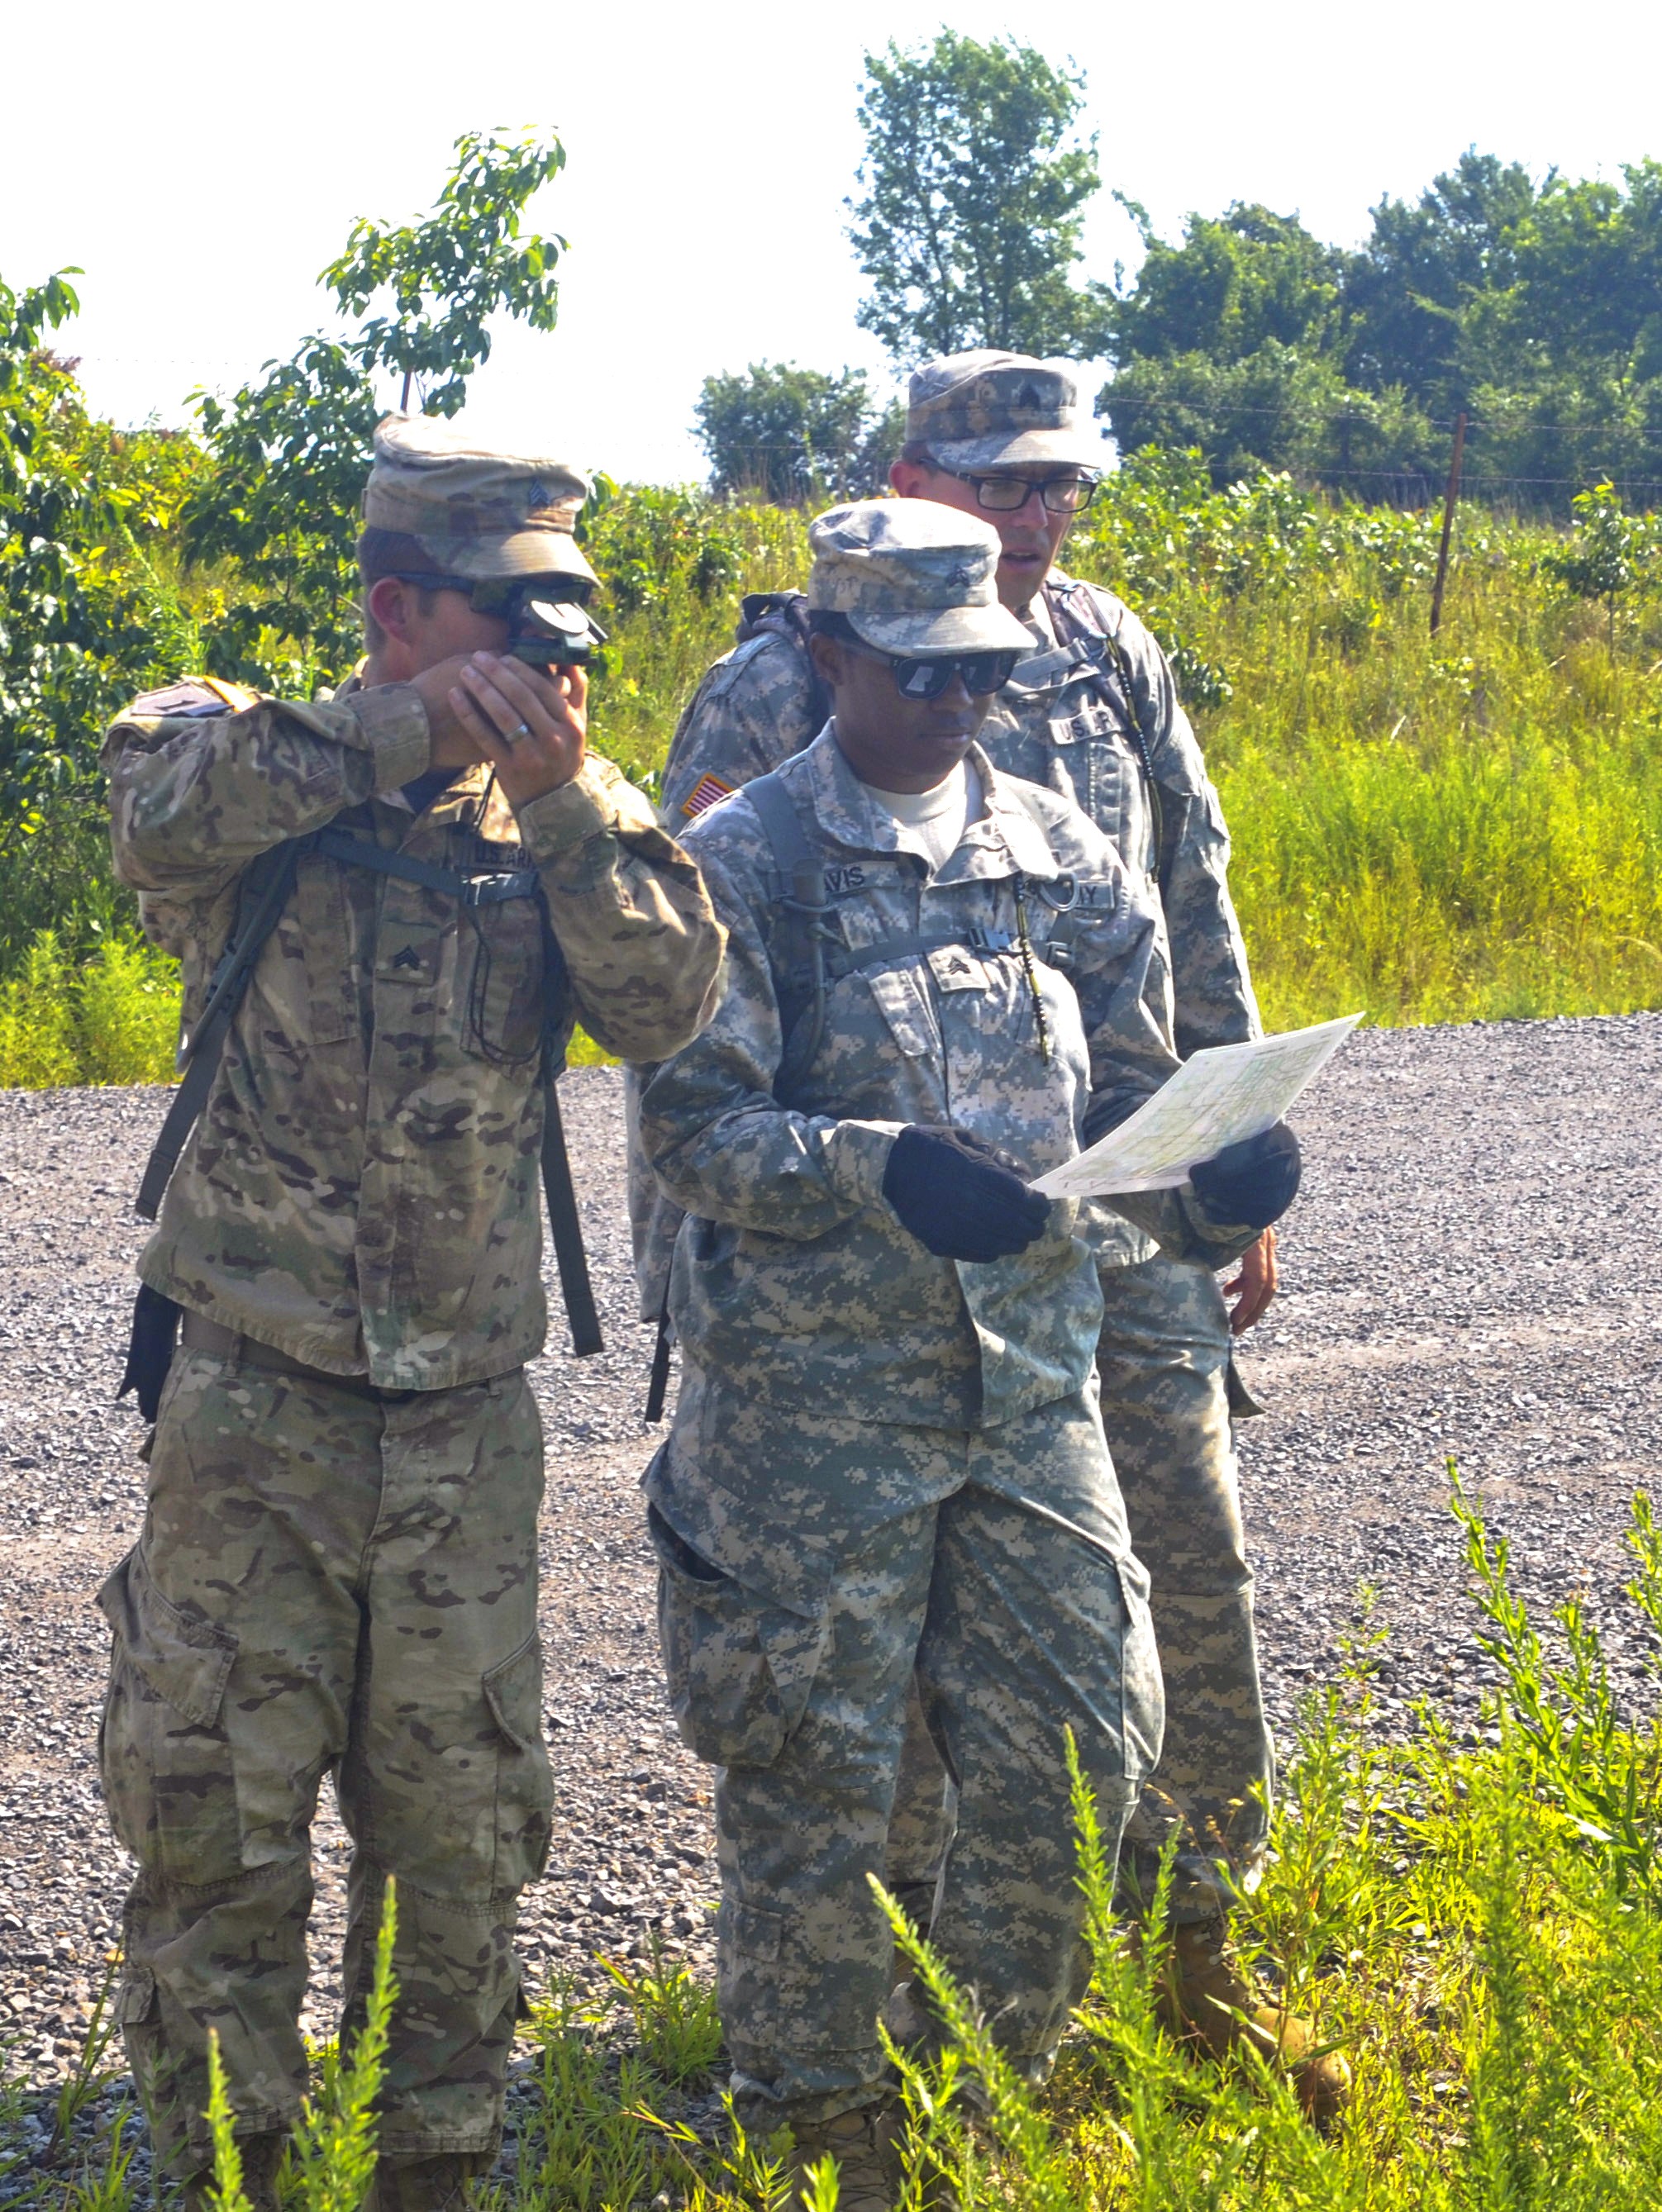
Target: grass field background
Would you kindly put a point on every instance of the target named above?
(1433, 829)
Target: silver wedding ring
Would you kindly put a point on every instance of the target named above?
(519, 730)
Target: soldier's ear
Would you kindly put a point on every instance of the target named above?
(391, 603)
(826, 654)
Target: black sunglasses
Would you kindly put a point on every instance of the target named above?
(983, 673)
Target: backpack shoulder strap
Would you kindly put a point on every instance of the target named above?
(782, 824)
(261, 897)
(1077, 607)
(785, 615)
(802, 901)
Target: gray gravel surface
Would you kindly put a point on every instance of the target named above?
(1468, 1272)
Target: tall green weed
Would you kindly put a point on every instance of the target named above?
(1433, 829)
(112, 1019)
(1475, 1923)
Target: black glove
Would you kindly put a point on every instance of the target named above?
(963, 1198)
(1254, 1181)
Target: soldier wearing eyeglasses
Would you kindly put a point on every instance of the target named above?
(1091, 711)
(886, 1459)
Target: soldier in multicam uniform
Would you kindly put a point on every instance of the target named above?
(1092, 712)
(886, 1457)
(338, 1567)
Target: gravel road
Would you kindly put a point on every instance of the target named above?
(1468, 1272)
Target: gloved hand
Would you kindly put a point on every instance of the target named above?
(960, 1196)
(1254, 1181)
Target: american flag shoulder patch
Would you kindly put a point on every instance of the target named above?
(704, 794)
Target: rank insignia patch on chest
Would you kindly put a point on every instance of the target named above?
(704, 794)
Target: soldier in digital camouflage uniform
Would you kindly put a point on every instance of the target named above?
(338, 1566)
(1092, 711)
(886, 1456)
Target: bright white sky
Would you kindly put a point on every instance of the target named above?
(202, 163)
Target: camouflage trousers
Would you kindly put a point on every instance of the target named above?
(1163, 1365)
(330, 1578)
(1012, 1597)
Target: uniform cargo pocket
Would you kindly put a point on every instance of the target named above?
(749, 1942)
(135, 2000)
(1143, 1691)
(169, 1780)
(904, 1007)
(320, 907)
(524, 1782)
(740, 1667)
(502, 967)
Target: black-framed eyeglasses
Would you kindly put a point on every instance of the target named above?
(1005, 494)
(983, 673)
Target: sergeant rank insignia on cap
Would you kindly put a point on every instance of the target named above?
(704, 794)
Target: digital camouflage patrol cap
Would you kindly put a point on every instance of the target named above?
(987, 410)
(472, 512)
(912, 577)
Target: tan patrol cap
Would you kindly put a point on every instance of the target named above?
(987, 410)
(476, 513)
(913, 577)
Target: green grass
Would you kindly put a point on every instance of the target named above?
(1477, 1923)
(1434, 829)
(114, 1018)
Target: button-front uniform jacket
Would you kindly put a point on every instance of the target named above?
(796, 1280)
(362, 1191)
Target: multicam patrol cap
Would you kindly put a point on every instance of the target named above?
(912, 577)
(474, 513)
(987, 410)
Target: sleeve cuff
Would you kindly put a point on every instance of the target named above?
(396, 737)
(560, 821)
(857, 1158)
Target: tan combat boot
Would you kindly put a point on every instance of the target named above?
(1203, 1999)
(866, 2145)
(433, 2182)
(261, 2156)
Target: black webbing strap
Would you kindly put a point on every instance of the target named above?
(476, 888)
(782, 825)
(265, 890)
(567, 1234)
(789, 614)
(261, 897)
(802, 896)
(1070, 603)
(891, 951)
(658, 1381)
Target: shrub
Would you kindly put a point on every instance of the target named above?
(114, 1020)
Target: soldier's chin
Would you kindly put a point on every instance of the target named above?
(949, 746)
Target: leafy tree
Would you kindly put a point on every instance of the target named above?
(1609, 554)
(1537, 309)
(48, 677)
(1410, 291)
(89, 612)
(1233, 342)
(1567, 361)
(974, 183)
(1245, 279)
(789, 433)
(1276, 408)
(290, 452)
